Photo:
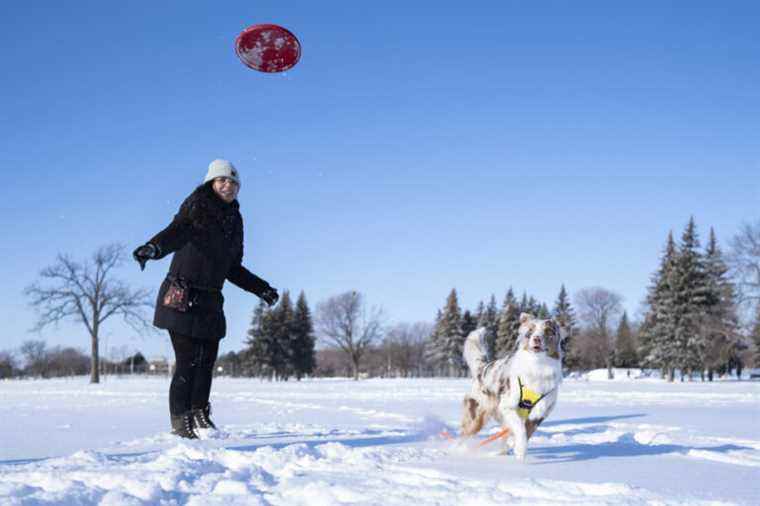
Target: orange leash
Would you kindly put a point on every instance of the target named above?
(445, 434)
(498, 435)
(501, 434)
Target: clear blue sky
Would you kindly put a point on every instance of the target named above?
(418, 146)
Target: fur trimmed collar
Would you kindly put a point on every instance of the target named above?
(206, 193)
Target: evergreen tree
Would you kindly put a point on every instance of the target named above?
(479, 312)
(469, 323)
(449, 337)
(563, 312)
(658, 347)
(490, 320)
(524, 306)
(303, 356)
(533, 306)
(692, 299)
(433, 349)
(509, 322)
(258, 355)
(283, 337)
(543, 312)
(625, 349)
(755, 337)
(722, 321)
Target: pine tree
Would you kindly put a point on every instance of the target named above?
(449, 335)
(692, 298)
(721, 321)
(509, 322)
(433, 349)
(524, 306)
(479, 312)
(755, 337)
(543, 312)
(658, 347)
(303, 357)
(563, 312)
(469, 323)
(533, 307)
(259, 355)
(625, 349)
(283, 337)
(490, 320)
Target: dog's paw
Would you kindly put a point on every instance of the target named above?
(520, 451)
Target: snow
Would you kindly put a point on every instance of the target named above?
(331, 442)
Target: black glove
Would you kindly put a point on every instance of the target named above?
(270, 296)
(144, 253)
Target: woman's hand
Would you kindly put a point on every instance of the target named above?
(144, 253)
(270, 296)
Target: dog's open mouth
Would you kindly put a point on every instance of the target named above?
(537, 349)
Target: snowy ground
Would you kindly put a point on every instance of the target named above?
(335, 442)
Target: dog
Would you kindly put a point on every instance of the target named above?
(518, 391)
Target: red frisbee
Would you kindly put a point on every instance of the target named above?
(268, 48)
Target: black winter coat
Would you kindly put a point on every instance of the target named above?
(207, 236)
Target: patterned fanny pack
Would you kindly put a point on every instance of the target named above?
(177, 296)
(182, 295)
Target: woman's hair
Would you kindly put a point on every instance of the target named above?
(205, 186)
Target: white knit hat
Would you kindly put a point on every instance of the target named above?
(222, 168)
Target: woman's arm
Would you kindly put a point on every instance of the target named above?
(177, 234)
(245, 279)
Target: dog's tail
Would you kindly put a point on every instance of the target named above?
(475, 351)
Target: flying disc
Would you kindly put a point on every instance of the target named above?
(268, 48)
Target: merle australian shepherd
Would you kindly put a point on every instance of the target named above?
(519, 390)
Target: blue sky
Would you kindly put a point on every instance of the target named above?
(415, 148)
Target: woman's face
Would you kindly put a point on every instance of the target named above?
(226, 188)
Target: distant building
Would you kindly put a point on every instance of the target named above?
(158, 365)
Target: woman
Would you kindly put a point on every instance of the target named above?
(207, 236)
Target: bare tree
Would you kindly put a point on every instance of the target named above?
(87, 293)
(405, 344)
(345, 322)
(35, 355)
(67, 362)
(598, 308)
(744, 260)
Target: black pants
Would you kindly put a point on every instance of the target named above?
(191, 384)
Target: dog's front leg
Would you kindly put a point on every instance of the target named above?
(517, 427)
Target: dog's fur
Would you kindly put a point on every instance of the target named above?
(495, 393)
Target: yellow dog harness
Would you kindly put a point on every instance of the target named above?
(528, 400)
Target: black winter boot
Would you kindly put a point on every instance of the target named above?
(182, 426)
(202, 418)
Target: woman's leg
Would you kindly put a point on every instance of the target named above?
(181, 389)
(206, 352)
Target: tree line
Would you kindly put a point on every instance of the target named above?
(689, 322)
(37, 360)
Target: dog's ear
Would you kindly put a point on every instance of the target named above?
(525, 318)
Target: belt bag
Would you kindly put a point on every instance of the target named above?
(177, 296)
